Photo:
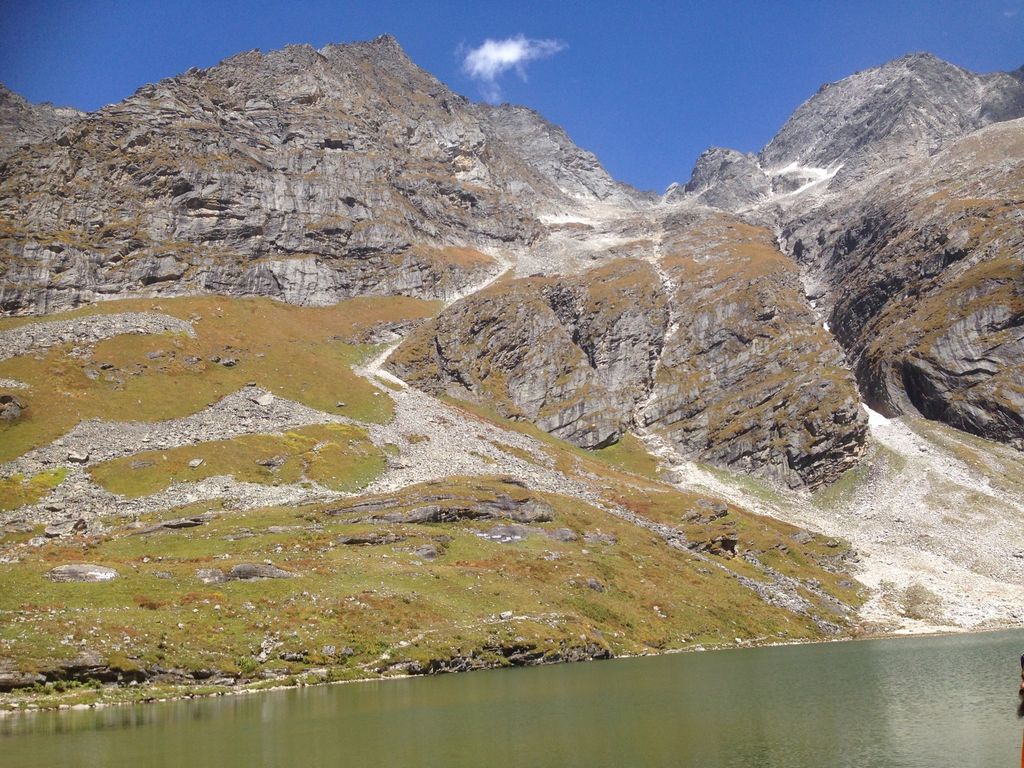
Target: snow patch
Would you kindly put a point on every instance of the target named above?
(814, 175)
(875, 419)
(566, 218)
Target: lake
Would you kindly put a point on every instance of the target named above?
(933, 701)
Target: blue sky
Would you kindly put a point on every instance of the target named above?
(646, 86)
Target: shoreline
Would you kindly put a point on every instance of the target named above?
(249, 689)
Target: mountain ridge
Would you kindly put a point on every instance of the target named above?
(478, 403)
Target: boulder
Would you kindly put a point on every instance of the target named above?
(10, 408)
(562, 534)
(211, 575)
(65, 528)
(82, 572)
(247, 571)
(427, 552)
(369, 539)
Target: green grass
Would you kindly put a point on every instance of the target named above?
(386, 606)
(630, 454)
(300, 353)
(754, 486)
(337, 456)
(18, 490)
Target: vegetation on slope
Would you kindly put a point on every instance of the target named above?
(426, 597)
(336, 456)
(300, 353)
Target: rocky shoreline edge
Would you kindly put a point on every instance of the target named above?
(153, 693)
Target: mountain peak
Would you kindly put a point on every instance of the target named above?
(905, 107)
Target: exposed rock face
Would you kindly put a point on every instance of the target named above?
(573, 355)
(22, 123)
(726, 179)
(83, 573)
(891, 113)
(247, 571)
(513, 502)
(303, 174)
(903, 211)
(748, 379)
(925, 271)
(547, 149)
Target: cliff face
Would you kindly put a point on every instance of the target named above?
(315, 175)
(23, 123)
(303, 174)
(749, 380)
(573, 355)
(925, 268)
(898, 192)
(719, 353)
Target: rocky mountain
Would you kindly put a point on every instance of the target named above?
(924, 281)
(864, 124)
(895, 112)
(303, 174)
(898, 192)
(727, 179)
(709, 344)
(23, 123)
(574, 355)
(316, 175)
(346, 344)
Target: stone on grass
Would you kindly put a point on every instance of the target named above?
(211, 575)
(369, 539)
(65, 528)
(246, 571)
(562, 534)
(10, 408)
(427, 552)
(82, 572)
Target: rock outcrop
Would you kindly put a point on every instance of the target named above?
(923, 273)
(308, 175)
(726, 179)
(748, 379)
(745, 377)
(78, 572)
(23, 123)
(572, 355)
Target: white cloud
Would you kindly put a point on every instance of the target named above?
(496, 57)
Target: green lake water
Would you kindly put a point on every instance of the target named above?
(935, 702)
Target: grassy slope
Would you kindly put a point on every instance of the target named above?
(18, 490)
(386, 604)
(396, 611)
(337, 456)
(300, 353)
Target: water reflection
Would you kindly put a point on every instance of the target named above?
(928, 701)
